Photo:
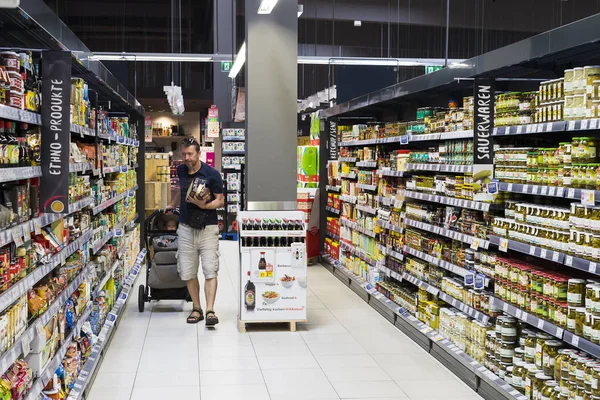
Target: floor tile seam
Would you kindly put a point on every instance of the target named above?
(260, 367)
(137, 370)
(320, 366)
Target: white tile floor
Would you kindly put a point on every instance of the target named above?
(156, 355)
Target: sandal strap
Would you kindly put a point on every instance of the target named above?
(210, 312)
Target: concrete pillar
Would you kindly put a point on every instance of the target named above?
(271, 110)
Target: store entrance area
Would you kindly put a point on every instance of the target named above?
(156, 355)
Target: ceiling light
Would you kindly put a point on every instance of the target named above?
(266, 6)
(458, 65)
(151, 57)
(240, 59)
(300, 9)
(357, 23)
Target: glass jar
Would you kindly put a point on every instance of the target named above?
(529, 355)
(540, 339)
(509, 330)
(579, 320)
(550, 352)
(532, 371)
(594, 382)
(548, 390)
(575, 292)
(518, 371)
(506, 350)
(589, 368)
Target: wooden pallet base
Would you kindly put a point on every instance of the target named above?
(242, 324)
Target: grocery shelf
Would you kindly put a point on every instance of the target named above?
(461, 237)
(105, 279)
(114, 200)
(441, 168)
(81, 204)
(392, 253)
(347, 159)
(348, 199)
(7, 235)
(351, 143)
(451, 201)
(541, 324)
(444, 350)
(367, 164)
(83, 130)
(100, 243)
(467, 134)
(550, 191)
(360, 253)
(389, 172)
(15, 114)
(22, 286)
(529, 249)
(367, 209)
(546, 127)
(86, 375)
(19, 173)
(236, 167)
(333, 235)
(81, 167)
(333, 188)
(332, 210)
(571, 193)
(247, 233)
(351, 175)
(424, 137)
(366, 187)
(11, 355)
(356, 227)
(470, 311)
(583, 125)
(234, 152)
(390, 226)
(436, 261)
(581, 343)
(386, 201)
(233, 138)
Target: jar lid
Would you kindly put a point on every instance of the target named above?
(544, 336)
(576, 281)
(553, 343)
(543, 377)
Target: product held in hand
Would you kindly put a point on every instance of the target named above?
(198, 190)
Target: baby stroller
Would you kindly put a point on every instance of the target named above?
(162, 278)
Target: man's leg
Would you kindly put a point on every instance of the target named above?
(188, 263)
(209, 253)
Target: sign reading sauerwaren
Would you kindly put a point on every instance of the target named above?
(483, 146)
(56, 131)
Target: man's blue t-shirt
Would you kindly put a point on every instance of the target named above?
(212, 179)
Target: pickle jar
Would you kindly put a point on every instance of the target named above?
(580, 370)
(518, 371)
(551, 348)
(588, 374)
(548, 390)
(532, 371)
(506, 350)
(575, 292)
(509, 330)
(579, 320)
(540, 380)
(540, 340)
(594, 381)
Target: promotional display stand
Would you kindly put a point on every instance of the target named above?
(273, 282)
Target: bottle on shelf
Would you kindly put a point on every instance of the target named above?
(262, 263)
(250, 294)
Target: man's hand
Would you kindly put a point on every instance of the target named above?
(199, 203)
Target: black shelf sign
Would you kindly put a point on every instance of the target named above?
(483, 122)
(56, 131)
(333, 138)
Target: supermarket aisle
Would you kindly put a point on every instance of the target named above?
(346, 351)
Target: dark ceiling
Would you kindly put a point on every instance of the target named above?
(390, 28)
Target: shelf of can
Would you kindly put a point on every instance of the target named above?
(360, 253)
(333, 235)
(436, 261)
(421, 284)
(234, 152)
(354, 226)
(348, 199)
(390, 226)
(333, 188)
(389, 172)
(349, 176)
(233, 138)
(577, 194)
(529, 129)
(13, 353)
(367, 209)
(82, 130)
(7, 235)
(422, 332)
(470, 311)
(461, 237)
(531, 250)
(550, 191)
(365, 186)
(441, 168)
(524, 316)
(19, 173)
(110, 170)
(347, 159)
(451, 201)
(22, 286)
(81, 204)
(15, 114)
(332, 210)
(366, 164)
(115, 200)
(352, 143)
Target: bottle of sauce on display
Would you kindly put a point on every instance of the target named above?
(24, 150)
(13, 146)
(3, 145)
(250, 294)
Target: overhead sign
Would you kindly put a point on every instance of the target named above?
(432, 68)
(226, 66)
(56, 131)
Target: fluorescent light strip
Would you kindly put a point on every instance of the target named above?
(151, 57)
(266, 6)
(239, 62)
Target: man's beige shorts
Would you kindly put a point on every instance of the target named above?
(195, 245)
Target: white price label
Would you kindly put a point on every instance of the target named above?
(571, 125)
(525, 189)
(26, 345)
(475, 243)
(524, 316)
(529, 128)
(584, 124)
(544, 190)
(509, 187)
(531, 250)
(592, 267)
(505, 307)
(37, 226)
(569, 261)
(571, 193)
(519, 129)
(587, 197)
(548, 126)
(555, 256)
(559, 332)
(540, 324)
(519, 314)
(575, 340)
(543, 253)
(503, 246)
(552, 191)
(17, 234)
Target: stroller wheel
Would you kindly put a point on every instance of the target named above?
(141, 298)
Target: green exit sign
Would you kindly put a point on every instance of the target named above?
(226, 66)
(432, 68)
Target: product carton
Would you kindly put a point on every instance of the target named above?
(157, 195)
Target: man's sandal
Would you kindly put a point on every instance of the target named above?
(192, 319)
(211, 318)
